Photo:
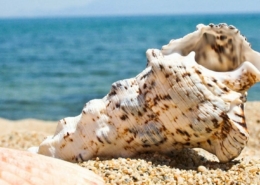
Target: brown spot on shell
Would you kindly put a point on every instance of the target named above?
(81, 158)
(98, 138)
(215, 123)
(63, 145)
(117, 105)
(209, 85)
(182, 132)
(151, 116)
(208, 130)
(124, 117)
(163, 140)
(66, 136)
(186, 74)
(112, 93)
(223, 37)
(166, 106)
(166, 97)
(146, 145)
(242, 124)
(161, 66)
(130, 140)
(226, 89)
(153, 53)
(198, 71)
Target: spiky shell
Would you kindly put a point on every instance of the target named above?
(174, 103)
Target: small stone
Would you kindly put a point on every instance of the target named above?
(202, 169)
(180, 180)
(111, 177)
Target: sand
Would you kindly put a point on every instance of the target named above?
(189, 166)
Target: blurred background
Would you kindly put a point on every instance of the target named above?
(57, 55)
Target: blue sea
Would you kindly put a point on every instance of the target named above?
(50, 67)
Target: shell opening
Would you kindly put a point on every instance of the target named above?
(217, 47)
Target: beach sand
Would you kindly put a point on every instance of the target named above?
(189, 166)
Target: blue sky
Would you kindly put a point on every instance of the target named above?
(43, 8)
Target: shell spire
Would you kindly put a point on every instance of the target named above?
(185, 97)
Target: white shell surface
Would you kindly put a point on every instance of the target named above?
(174, 103)
(21, 167)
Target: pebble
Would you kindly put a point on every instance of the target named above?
(202, 169)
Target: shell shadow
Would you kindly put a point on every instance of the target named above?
(186, 159)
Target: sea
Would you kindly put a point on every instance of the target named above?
(50, 67)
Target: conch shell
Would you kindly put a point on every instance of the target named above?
(186, 97)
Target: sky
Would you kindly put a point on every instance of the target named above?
(65, 8)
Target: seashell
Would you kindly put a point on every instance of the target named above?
(186, 97)
(21, 167)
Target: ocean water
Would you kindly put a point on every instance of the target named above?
(50, 67)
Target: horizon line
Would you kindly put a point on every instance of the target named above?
(127, 15)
